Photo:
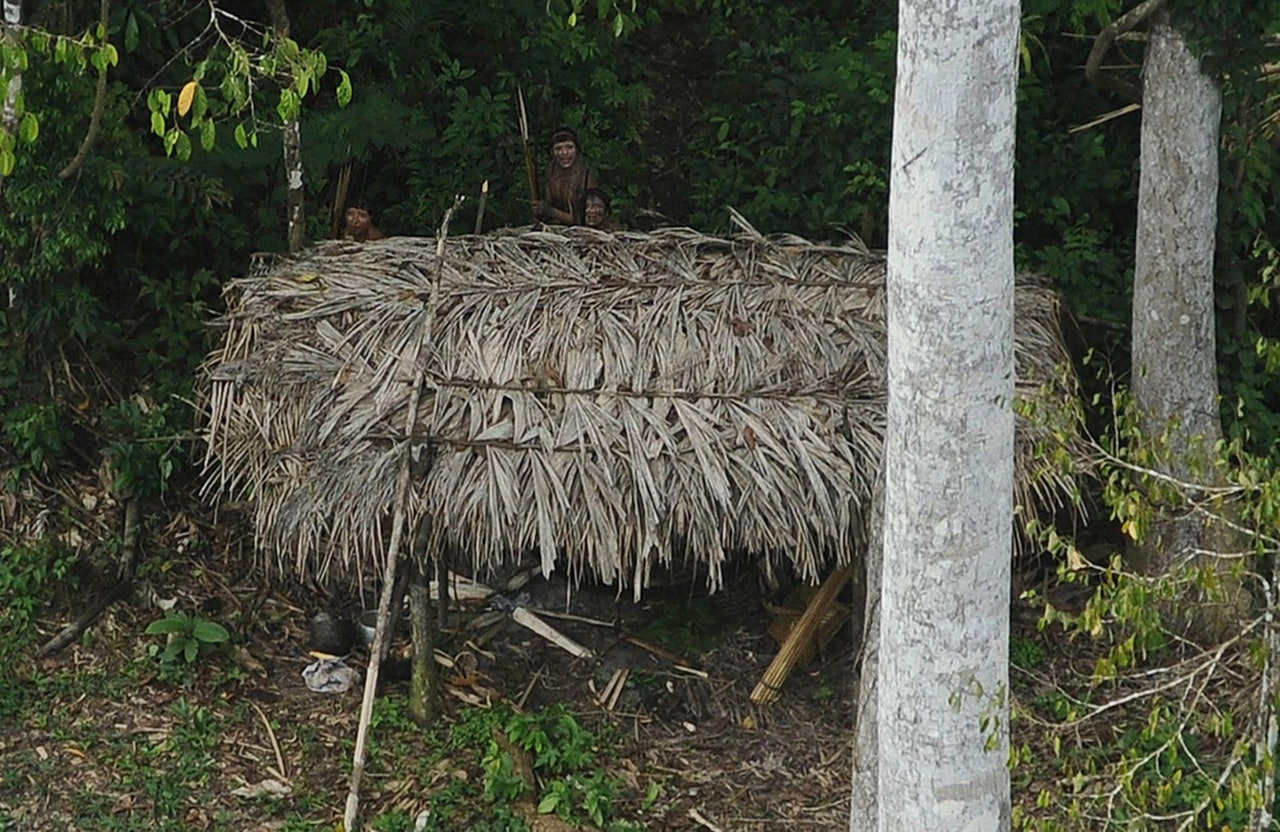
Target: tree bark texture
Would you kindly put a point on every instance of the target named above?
(9, 119)
(944, 611)
(866, 757)
(424, 688)
(292, 145)
(1175, 374)
(1175, 381)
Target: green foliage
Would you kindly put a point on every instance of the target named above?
(187, 636)
(689, 629)
(145, 451)
(224, 86)
(558, 743)
(28, 577)
(36, 435)
(797, 137)
(1026, 653)
(1145, 733)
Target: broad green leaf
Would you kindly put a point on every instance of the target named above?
(201, 105)
(131, 32)
(344, 89)
(241, 138)
(157, 123)
(7, 162)
(29, 128)
(168, 624)
(192, 648)
(211, 631)
(207, 134)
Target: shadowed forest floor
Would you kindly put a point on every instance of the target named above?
(99, 736)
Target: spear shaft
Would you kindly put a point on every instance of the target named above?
(534, 196)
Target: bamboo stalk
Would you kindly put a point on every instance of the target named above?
(530, 169)
(801, 638)
(381, 631)
(380, 634)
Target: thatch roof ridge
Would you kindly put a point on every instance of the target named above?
(615, 399)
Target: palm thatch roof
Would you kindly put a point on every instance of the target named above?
(611, 401)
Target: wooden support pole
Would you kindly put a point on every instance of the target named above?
(381, 634)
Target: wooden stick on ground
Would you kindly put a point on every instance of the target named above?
(530, 620)
(801, 635)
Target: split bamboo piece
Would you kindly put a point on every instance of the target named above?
(801, 638)
(530, 620)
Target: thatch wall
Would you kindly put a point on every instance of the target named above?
(612, 401)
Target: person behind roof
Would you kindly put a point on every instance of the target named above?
(566, 182)
(598, 212)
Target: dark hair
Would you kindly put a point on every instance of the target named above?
(596, 193)
(564, 134)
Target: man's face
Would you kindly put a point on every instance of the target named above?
(357, 219)
(565, 153)
(595, 211)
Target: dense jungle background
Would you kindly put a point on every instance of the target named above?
(112, 273)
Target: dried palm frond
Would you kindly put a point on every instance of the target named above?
(613, 402)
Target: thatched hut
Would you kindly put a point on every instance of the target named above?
(610, 401)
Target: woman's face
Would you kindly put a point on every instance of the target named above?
(595, 211)
(565, 153)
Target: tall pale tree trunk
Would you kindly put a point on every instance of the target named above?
(292, 143)
(1175, 382)
(9, 118)
(941, 722)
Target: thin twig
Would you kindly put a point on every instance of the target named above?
(99, 106)
(275, 746)
(1102, 44)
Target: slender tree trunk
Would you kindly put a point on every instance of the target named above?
(1175, 382)
(866, 753)
(425, 685)
(9, 119)
(292, 143)
(942, 721)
